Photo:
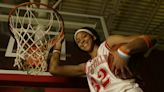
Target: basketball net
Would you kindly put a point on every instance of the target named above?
(32, 35)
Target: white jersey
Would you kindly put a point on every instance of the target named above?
(101, 79)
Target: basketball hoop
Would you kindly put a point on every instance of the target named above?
(31, 27)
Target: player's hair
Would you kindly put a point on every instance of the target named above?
(93, 31)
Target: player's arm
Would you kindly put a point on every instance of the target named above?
(133, 44)
(65, 70)
(68, 70)
(117, 39)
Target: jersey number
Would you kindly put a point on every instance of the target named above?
(104, 80)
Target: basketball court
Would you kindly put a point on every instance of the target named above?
(12, 76)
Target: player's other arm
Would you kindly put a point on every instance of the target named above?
(134, 44)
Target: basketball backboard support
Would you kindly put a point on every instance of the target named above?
(10, 74)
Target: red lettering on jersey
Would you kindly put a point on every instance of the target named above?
(96, 62)
(104, 80)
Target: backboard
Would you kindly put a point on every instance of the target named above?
(10, 75)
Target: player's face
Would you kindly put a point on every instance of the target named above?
(84, 41)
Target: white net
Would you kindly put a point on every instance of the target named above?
(32, 34)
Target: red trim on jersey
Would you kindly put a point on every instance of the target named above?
(110, 56)
(107, 45)
(110, 59)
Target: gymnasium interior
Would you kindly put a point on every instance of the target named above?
(108, 17)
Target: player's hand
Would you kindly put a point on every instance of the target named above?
(56, 42)
(120, 67)
(59, 41)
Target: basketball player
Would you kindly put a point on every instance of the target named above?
(107, 70)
